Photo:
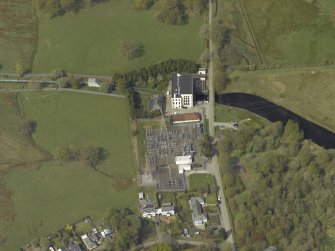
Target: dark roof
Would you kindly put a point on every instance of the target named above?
(182, 84)
(167, 207)
(72, 247)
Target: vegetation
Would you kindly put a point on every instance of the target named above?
(49, 188)
(28, 127)
(286, 32)
(56, 8)
(171, 12)
(16, 149)
(204, 183)
(278, 186)
(154, 76)
(99, 32)
(143, 4)
(90, 155)
(18, 35)
(131, 49)
(178, 11)
(288, 87)
(127, 226)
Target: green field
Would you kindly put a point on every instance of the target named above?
(89, 41)
(201, 181)
(293, 32)
(309, 92)
(45, 199)
(225, 113)
(18, 34)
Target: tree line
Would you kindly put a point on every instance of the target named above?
(279, 186)
(90, 155)
(174, 12)
(155, 76)
(56, 8)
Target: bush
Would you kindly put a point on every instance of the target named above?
(131, 49)
(28, 127)
(171, 12)
(143, 4)
(63, 82)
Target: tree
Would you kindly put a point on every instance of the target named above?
(127, 226)
(71, 5)
(162, 247)
(105, 87)
(52, 7)
(74, 82)
(171, 12)
(28, 127)
(131, 49)
(63, 82)
(206, 146)
(143, 4)
(196, 7)
(19, 69)
(92, 155)
(57, 73)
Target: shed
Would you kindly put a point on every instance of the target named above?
(93, 82)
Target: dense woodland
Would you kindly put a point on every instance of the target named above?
(280, 188)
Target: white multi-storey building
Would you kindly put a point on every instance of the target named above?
(182, 91)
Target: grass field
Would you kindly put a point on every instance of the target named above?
(18, 34)
(293, 32)
(89, 42)
(201, 181)
(309, 92)
(225, 113)
(46, 198)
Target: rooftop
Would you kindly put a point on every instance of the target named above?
(183, 160)
(181, 84)
(186, 117)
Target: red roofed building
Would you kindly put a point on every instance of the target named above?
(186, 118)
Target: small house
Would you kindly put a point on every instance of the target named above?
(199, 219)
(141, 196)
(93, 82)
(106, 232)
(90, 244)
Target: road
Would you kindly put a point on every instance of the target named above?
(213, 167)
(61, 90)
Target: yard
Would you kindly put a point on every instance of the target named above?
(89, 41)
(47, 198)
(202, 182)
(308, 92)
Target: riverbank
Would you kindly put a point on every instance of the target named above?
(308, 92)
(273, 113)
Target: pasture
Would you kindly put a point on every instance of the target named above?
(55, 193)
(308, 92)
(89, 41)
(18, 34)
(293, 32)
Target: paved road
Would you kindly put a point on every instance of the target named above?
(61, 90)
(213, 167)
